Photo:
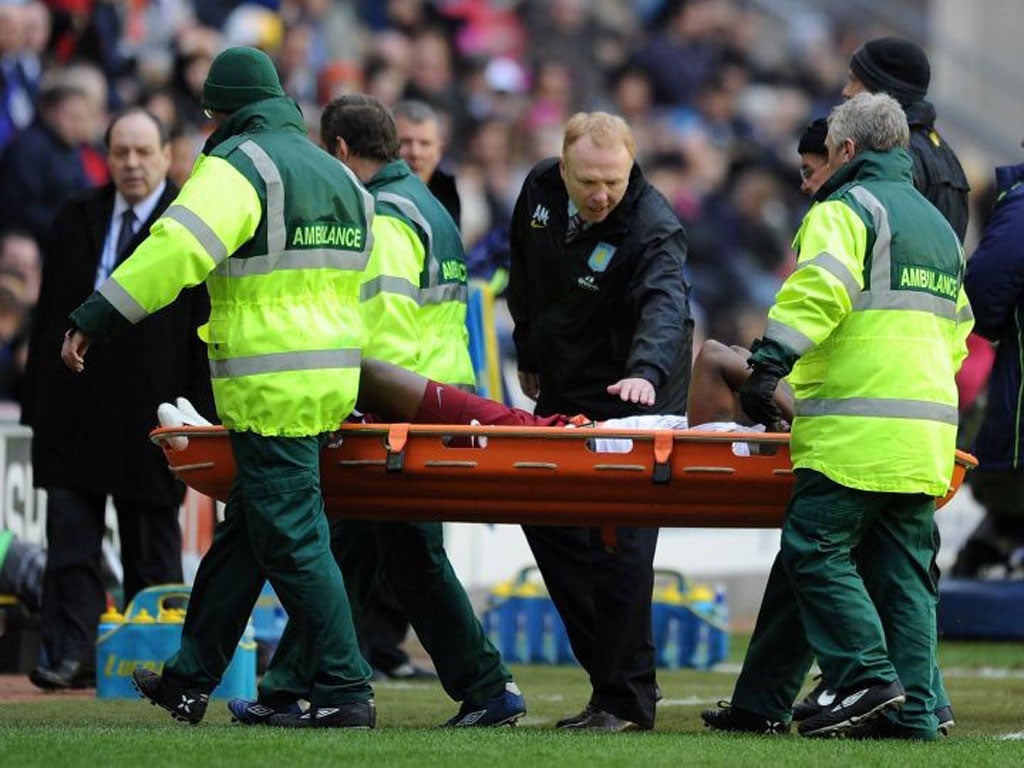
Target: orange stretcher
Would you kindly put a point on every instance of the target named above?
(540, 475)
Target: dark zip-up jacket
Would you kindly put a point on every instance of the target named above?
(612, 304)
(938, 174)
(995, 286)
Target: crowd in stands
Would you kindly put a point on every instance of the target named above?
(717, 92)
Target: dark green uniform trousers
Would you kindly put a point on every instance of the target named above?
(866, 620)
(274, 528)
(411, 557)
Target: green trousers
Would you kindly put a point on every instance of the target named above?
(867, 620)
(411, 557)
(274, 528)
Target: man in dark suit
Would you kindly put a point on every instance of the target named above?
(90, 432)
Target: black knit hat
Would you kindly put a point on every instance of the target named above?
(238, 77)
(895, 66)
(812, 142)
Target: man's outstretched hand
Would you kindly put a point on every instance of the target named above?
(72, 352)
(636, 390)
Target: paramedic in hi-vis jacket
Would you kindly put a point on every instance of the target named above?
(869, 330)
(413, 301)
(280, 233)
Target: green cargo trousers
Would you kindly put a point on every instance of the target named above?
(866, 620)
(274, 528)
(411, 557)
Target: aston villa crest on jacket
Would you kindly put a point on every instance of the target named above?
(600, 257)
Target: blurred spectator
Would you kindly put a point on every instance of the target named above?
(566, 34)
(19, 253)
(384, 80)
(186, 144)
(13, 315)
(421, 138)
(36, 29)
(162, 104)
(296, 64)
(343, 76)
(679, 55)
(432, 71)
(91, 81)
(20, 277)
(487, 181)
(17, 86)
(195, 51)
(41, 168)
(89, 30)
(552, 97)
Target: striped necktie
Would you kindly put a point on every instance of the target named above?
(574, 228)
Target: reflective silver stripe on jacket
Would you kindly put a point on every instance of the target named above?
(887, 408)
(314, 258)
(837, 269)
(200, 230)
(276, 231)
(408, 207)
(434, 292)
(879, 294)
(439, 294)
(278, 256)
(787, 336)
(279, 362)
(122, 301)
(388, 284)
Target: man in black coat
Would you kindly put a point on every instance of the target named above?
(41, 166)
(602, 327)
(900, 68)
(90, 431)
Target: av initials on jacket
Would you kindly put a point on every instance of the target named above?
(454, 270)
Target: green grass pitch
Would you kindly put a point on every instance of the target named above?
(986, 683)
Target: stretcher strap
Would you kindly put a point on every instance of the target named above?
(663, 442)
(398, 434)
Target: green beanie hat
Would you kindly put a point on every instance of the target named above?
(240, 76)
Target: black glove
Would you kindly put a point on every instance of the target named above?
(756, 395)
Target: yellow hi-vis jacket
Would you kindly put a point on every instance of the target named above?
(280, 232)
(877, 314)
(414, 291)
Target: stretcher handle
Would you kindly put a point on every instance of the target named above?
(663, 442)
(398, 435)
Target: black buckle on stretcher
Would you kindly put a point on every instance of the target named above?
(663, 444)
(398, 434)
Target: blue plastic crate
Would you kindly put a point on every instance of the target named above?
(149, 635)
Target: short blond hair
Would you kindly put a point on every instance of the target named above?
(603, 128)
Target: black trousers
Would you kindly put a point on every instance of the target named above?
(603, 595)
(382, 627)
(73, 592)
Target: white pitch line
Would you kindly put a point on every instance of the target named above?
(985, 673)
(689, 701)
